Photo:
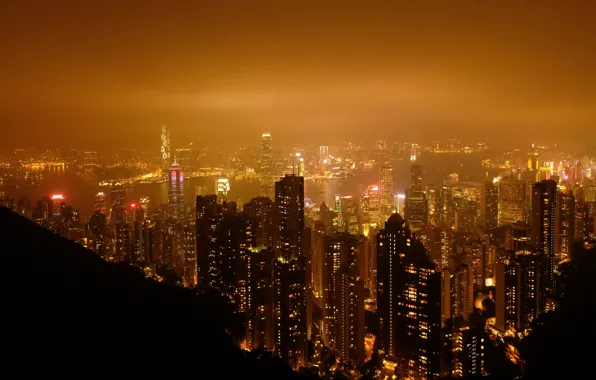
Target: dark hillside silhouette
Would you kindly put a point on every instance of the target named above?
(68, 314)
(562, 343)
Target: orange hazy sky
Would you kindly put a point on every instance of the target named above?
(91, 73)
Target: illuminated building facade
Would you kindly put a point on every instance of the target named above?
(409, 302)
(290, 311)
(118, 211)
(260, 321)
(415, 177)
(458, 289)
(520, 293)
(166, 147)
(490, 206)
(565, 220)
(369, 206)
(267, 172)
(340, 251)
(222, 185)
(350, 214)
(175, 192)
(349, 316)
(208, 214)
(100, 202)
(387, 194)
(517, 236)
(190, 257)
(289, 216)
(260, 209)
(432, 206)
(544, 226)
(468, 352)
(416, 212)
(97, 233)
(512, 201)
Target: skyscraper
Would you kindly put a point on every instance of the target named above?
(512, 201)
(100, 202)
(490, 206)
(261, 210)
(458, 289)
(415, 177)
(117, 193)
(565, 220)
(290, 311)
(387, 193)
(350, 214)
(544, 228)
(369, 206)
(521, 295)
(349, 316)
(208, 214)
(175, 192)
(340, 250)
(222, 186)
(431, 201)
(166, 147)
(517, 236)
(266, 166)
(289, 217)
(409, 302)
(416, 212)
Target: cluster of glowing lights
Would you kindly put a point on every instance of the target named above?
(57, 197)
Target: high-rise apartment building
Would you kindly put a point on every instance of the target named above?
(118, 212)
(490, 206)
(261, 210)
(350, 214)
(267, 171)
(175, 192)
(291, 323)
(416, 212)
(349, 316)
(512, 201)
(289, 217)
(208, 214)
(458, 289)
(520, 294)
(387, 194)
(432, 205)
(565, 220)
(409, 302)
(544, 226)
(340, 251)
(415, 177)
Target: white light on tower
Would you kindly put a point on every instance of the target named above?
(165, 146)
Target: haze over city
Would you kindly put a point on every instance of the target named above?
(102, 73)
(335, 190)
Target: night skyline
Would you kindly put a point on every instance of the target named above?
(104, 72)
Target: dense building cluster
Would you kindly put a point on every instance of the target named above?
(422, 285)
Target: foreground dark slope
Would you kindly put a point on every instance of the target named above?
(67, 313)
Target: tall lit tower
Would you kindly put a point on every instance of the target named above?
(565, 220)
(166, 148)
(100, 202)
(415, 177)
(118, 212)
(266, 166)
(512, 201)
(289, 216)
(176, 192)
(490, 206)
(409, 302)
(544, 228)
(387, 193)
